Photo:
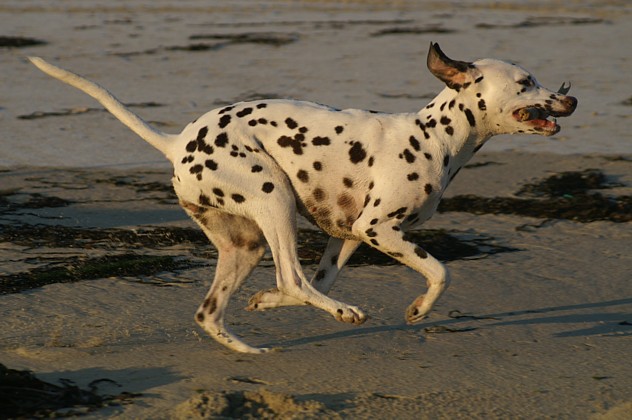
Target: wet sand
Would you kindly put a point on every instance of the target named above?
(101, 272)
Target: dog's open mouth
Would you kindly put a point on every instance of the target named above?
(539, 119)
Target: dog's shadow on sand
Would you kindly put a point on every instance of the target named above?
(601, 323)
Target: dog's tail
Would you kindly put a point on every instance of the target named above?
(158, 139)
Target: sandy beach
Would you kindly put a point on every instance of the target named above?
(101, 271)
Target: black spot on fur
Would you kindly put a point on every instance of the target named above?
(221, 140)
(267, 187)
(297, 146)
(200, 317)
(428, 188)
(374, 242)
(373, 222)
(428, 156)
(318, 166)
(470, 117)
(481, 105)
(261, 106)
(449, 130)
(357, 153)
(446, 160)
(244, 112)
(345, 200)
(414, 143)
(191, 146)
(339, 129)
(256, 168)
(238, 198)
(224, 121)
(370, 162)
(399, 212)
(211, 164)
(196, 169)
(291, 124)
(204, 200)
(432, 123)
(451, 104)
(410, 158)
(218, 192)
(321, 141)
(319, 194)
(212, 306)
(302, 175)
(262, 121)
(348, 182)
(421, 253)
(202, 133)
(478, 80)
(445, 120)
(413, 176)
(252, 123)
(370, 233)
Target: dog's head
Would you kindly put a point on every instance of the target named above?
(506, 97)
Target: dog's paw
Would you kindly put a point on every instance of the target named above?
(271, 298)
(351, 315)
(417, 311)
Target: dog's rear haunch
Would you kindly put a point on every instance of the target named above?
(242, 172)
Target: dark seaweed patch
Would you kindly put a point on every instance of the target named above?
(224, 40)
(69, 237)
(567, 195)
(75, 269)
(266, 38)
(533, 22)
(19, 42)
(13, 200)
(444, 245)
(413, 31)
(22, 395)
(83, 110)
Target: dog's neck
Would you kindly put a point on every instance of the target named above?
(465, 138)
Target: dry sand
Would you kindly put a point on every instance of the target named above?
(537, 323)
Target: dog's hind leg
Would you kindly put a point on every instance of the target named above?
(334, 258)
(240, 246)
(281, 237)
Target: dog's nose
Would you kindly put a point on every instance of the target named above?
(570, 102)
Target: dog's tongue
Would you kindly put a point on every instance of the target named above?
(543, 123)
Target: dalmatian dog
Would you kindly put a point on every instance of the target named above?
(244, 171)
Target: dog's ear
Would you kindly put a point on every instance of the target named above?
(453, 73)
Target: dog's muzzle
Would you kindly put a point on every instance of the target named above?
(537, 116)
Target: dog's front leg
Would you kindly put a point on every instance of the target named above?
(389, 238)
